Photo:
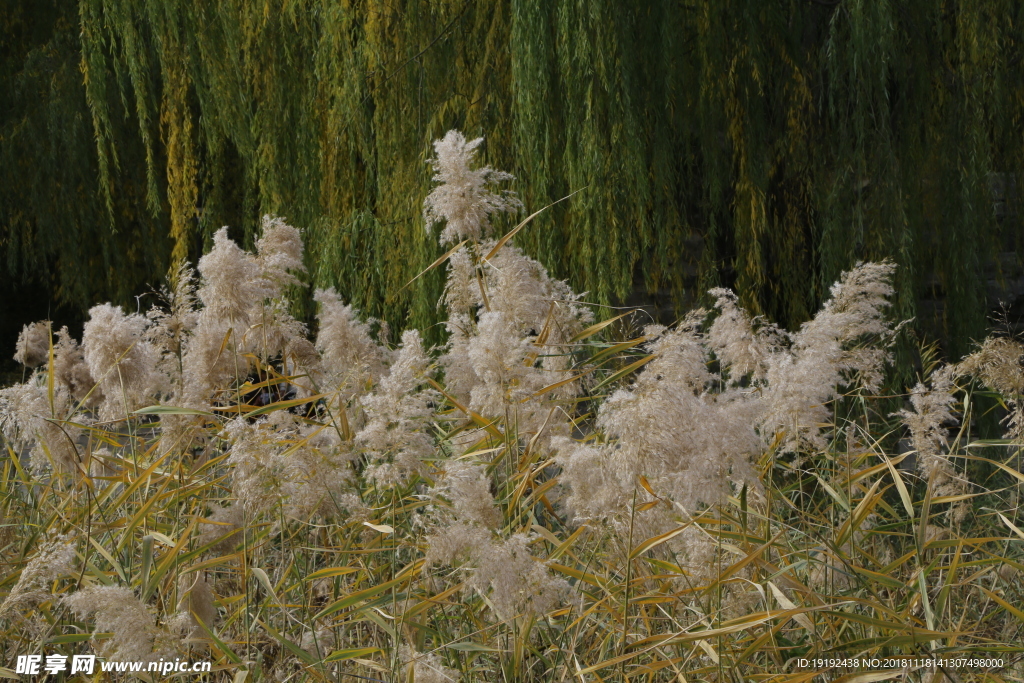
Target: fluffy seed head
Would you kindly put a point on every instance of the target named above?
(118, 611)
(231, 280)
(425, 668)
(398, 416)
(998, 363)
(121, 359)
(467, 486)
(279, 251)
(26, 418)
(350, 356)
(196, 599)
(71, 370)
(462, 198)
(56, 558)
(33, 348)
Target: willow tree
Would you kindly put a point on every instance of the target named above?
(59, 242)
(765, 146)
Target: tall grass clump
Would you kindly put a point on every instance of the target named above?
(544, 498)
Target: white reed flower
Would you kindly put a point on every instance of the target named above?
(462, 287)
(232, 289)
(56, 558)
(243, 310)
(314, 468)
(212, 360)
(668, 427)
(279, 252)
(537, 303)
(692, 436)
(398, 411)
(72, 372)
(232, 281)
(121, 359)
(999, 364)
(503, 571)
(351, 359)
(425, 667)
(305, 467)
(275, 332)
(169, 326)
(29, 421)
(926, 422)
(33, 347)
(459, 374)
(468, 488)
(517, 285)
(462, 198)
(502, 363)
(257, 475)
(837, 346)
(514, 581)
(196, 599)
(224, 528)
(931, 411)
(135, 635)
(733, 339)
(498, 356)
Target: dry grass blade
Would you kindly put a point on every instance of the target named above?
(435, 264)
(511, 233)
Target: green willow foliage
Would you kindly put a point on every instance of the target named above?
(765, 146)
(54, 229)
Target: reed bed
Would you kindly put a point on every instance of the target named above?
(551, 496)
